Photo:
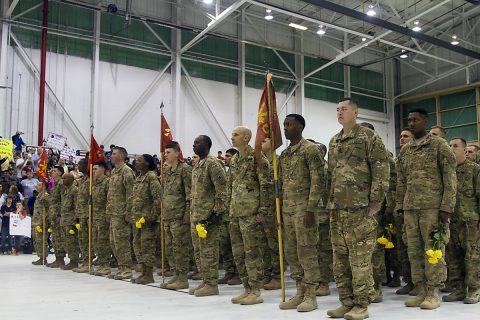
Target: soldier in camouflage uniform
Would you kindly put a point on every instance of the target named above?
(68, 221)
(101, 221)
(81, 213)
(426, 193)
(177, 181)
(40, 209)
(55, 206)
(250, 192)
(119, 206)
(358, 175)
(146, 205)
(302, 179)
(208, 202)
(463, 249)
(471, 153)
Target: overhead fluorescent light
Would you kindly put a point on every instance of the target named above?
(268, 16)
(404, 55)
(371, 11)
(364, 39)
(454, 40)
(297, 26)
(321, 30)
(207, 1)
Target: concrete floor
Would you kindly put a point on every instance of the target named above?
(35, 292)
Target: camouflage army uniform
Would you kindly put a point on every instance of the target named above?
(176, 205)
(358, 174)
(426, 183)
(101, 222)
(81, 213)
(225, 247)
(41, 203)
(145, 203)
(68, 220)
(250, 194)
(302, 178)
(208, 196)
(55, 208)
(119, 206)
(463, 248)
(325, 252)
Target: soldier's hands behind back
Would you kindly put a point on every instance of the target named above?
(444, 216)
(309, 219)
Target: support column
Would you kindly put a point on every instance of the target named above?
(5, 108)
(300, 75)
(43, 62)
(239, 115)
(176, 71)
(346, 69)
(95, 67)
(389, 81)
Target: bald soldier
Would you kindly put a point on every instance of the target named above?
(471, 153)
(250, 190)
(358, 176)
(68, 220)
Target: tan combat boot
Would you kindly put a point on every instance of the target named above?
(322, 290)
(339, 312)
(273, 284)
(207, 290)
(142, 270)
(147, 277)
(181, 282)
(405, 289)
(58, 263)
(112, 273)
(357, 313)
(235, 281)
(254, 297)
(39, 262)
(458, 294)
(294, 302)
(83, 269)
(71, 265)
(421, 294)
(309, 302)
(432, 299)
(165, 284)
(103, 270)
(192, 290)
(237, 299)
(125, 273)
(226, 278)
(378, 294)
(473, 296)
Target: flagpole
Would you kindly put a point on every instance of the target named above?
(162, 235)
(90, 205)
(43, 234)
(277, 190)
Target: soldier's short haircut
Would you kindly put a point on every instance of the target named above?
(173, 145)
(407, 129)
(352, 102)
(232, 151)
(420, 111)
(82, 160)
(122, 151)
(59, 168)
(464, 142)
(441, 129)
(297, 118)
(100, 164)
(475, 147)
(151, 162)
(368, 125)
(208, 141)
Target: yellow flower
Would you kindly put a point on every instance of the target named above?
(202, 232)
(50, 230)
(430, 253)
(138, 225)
(72, 232)
(382, 240)
(77, 226)
(389, 245)
(432, 260)
(39, 229)
(438, 254)
(391, 228)
(142, 220)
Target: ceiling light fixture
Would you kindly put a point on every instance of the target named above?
(269, 16)
(207, 1)
(454, 40)
(364, 39)
(321, 30)
(404, 55)
(371, 11)
(297, 26)
(416, 26)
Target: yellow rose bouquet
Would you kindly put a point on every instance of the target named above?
(39, 229)
(202, 226)
(387, 241)
(439, 238)
(139, 223)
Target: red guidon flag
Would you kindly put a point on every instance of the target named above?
(42, 167)
(95, 155)
(167, 138)
(267, 122)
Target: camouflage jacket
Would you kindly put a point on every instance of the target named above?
(468, 192)
(42, 202)
(119, 197)
(55, 200)
(81, 209)
(358, 170)
(146, 198)
(249, 185)
(69, 198)
(99, 198)
(176, 191)
(392, 185)
(209, 189)
(426, 176)
(302, 178)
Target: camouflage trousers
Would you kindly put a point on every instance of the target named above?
(206, 252)
(144, 240)
(58, 238)
(100, 239)
(325, 254)
(38, 242)
(401, 247)
(419, 225)
(246, 235)
(168, 254)
(71, 243)
(378, 256)
(301, 248)
(226, 255)
(463, 254)
(120, 234)
(83, 240)
(353, 241)
(180, 234)
(269, 249)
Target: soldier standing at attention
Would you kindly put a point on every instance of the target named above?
(462, 250)
(208, 202)
(145, 215)
(81, 213)
(302, 178)
(119, 206)
(55, 207)
(426, 193)
(358, 175)
(67, 220)
(177, 182)
(250, 194)
(37, 221)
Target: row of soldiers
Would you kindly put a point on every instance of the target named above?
(331, 210)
